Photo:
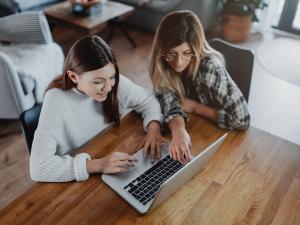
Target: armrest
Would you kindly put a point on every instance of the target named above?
(27, 27)
(13, 101)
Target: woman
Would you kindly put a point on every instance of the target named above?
(87, 98)
(190, 77)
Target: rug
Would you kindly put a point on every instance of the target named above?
(281, 57)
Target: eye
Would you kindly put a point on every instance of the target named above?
(98, 82)
(188, 53)
(173, 53)
(113, 77)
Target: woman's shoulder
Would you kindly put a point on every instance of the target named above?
(54, 93)
(127, 86)
(211, 68)
(211, 62)
(53, 99)
(124, 82)
(58, 98)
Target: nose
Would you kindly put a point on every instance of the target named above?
(179, 61)
(107, 86)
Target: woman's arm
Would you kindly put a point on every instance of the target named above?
(176, 119)
(134, 97)
(116, 162)
(192, 106)
(233, 112)
(47, 166)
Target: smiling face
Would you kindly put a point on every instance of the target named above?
(97, 83)
(180, 57)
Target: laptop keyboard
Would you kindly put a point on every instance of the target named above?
(144, 187)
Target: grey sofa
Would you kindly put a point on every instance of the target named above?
(148, 15)
(8, 7)
(19, 90)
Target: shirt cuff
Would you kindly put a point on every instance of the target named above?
(81, 173)
(222, 120)
(183, 114)
(148, 119)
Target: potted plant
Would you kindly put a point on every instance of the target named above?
(237, 17)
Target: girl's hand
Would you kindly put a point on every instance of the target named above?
(188, 105)
(153, 141)
(115, 162)
(179, 148)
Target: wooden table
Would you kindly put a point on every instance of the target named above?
(113, 12)
(253, 179)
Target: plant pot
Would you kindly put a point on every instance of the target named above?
(235, 28)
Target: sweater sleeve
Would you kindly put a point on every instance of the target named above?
(46, 164)
(132, 96)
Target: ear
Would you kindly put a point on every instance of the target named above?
(73, 76)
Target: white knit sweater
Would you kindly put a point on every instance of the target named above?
(69, 119)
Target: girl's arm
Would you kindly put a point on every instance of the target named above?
(134, 97)
(175, 118)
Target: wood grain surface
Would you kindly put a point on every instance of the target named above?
(253, 179)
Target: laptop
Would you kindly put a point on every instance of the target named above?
(145, 186)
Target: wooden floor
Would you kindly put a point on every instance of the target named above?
(267, 112)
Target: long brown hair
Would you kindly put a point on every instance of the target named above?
(175, 29)
(88, 54)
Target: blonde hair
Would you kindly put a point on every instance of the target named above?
(175, 29)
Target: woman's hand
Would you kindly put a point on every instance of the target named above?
(192, 106)
(153, 141)
(188, 105)
(179, 148)
(115, 162)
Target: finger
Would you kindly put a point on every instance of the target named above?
(152, 152)
(171, 151)
(132, 159)
(185, 152)
(117, 156)
(178, 155)
(175, 152)
(145, 148)
(123, 163)
(120, 170)
(120, 156)
(158, 150)
(164, 140)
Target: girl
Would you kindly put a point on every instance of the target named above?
(86, 99)
(190, 77)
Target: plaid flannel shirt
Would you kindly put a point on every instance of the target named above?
(212, 86)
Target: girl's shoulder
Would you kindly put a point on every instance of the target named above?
(127, 86)
(124, 82)
(54, 95)
(211, 62)
(58, 98)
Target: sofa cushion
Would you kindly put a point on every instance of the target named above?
(27, 27)
(34, 62)
(31, 4)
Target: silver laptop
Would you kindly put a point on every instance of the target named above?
(145, 186)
